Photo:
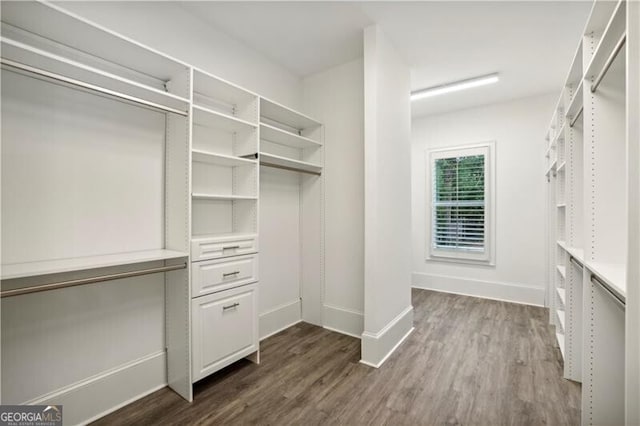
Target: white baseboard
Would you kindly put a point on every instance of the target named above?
(279, 318)
(343, 320)
(377, 347)
(97, 396)
(518, 293)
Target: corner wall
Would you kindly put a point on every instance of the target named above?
(388, 314)
(519, 271)
(336, 98)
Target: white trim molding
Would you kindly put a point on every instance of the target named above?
(508, 292)
(378, 347)
(343, 320)
(97, 396)
(279, 318)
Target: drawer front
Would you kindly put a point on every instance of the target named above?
(225, 329)
(217, 275)
(219, 248)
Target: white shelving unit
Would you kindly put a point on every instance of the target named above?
(103, 233)
(590, 222)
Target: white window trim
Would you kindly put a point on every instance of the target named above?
(439, 255)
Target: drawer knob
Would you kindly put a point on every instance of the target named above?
(233, 305)
(230, 248)
(230, 274)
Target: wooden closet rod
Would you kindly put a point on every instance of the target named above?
(613, 294)
(607, 64)
(90, 87)
(90, 280)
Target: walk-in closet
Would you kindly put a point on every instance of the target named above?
(320, 212)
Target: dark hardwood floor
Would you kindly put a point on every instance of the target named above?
(469, 361)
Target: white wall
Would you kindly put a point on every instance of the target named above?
(387, 152)
(169, 28)
(517, 127)
(336, 98)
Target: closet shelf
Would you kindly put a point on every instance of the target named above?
(221, 197)
(614, 275)
(562, 295)
(559, 134)
(289, 164)
(551, 167)
(576, 103)
(615, 29)
(562, 166)
(577, 253)
(282, 137)
(561, 205)
(209, 86)
(560, 338)
(209, 118)
(224, 236)
(562, 271)
(560, 314)
(220, 159)
(281, 114)
(52, 67)
(575, 72)
(562, 244)
(46, 267)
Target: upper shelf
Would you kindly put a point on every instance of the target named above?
(215, 88)
(576, 103)
(286, 116)
(77, 39)
(220, 159)
(574, 78)
(32, 60)
(210, 118)
(614, 275)
(282, 137)
(46, 267)
(616, 28)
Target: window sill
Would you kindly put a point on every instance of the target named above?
(439, 259)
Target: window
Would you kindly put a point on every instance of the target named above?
(461, 211)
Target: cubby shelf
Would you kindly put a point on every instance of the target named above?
(614, 275)
(221, 197)
(561, 270)
(577, 253)
(283, 115)
(560, 314)
(562, 295)
(220, 159)
(561, 167)
(282, 137)
(289, 163)
(561, 205)
(576, 103)
(46, 267)
(209, 118)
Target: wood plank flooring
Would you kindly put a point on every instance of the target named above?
(469, 362)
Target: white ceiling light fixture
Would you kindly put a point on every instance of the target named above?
(456, 86)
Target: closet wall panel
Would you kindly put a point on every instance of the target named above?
(70, 156)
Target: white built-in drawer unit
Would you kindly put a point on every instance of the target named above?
(225, 329)
(222, 274)
(204, 248)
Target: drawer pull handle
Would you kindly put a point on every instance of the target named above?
(230, 274)
(234, 305)
(230, 248)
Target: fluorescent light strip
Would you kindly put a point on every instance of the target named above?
(455, 87)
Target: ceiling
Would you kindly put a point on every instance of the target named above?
(530, 44)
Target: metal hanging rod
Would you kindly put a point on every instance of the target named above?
(292, 169)
(574, 119)
(90, 87)
(607, 64)
(576, 262)
(90, 280)
(613, 294)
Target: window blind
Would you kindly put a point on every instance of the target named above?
(459, 203)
